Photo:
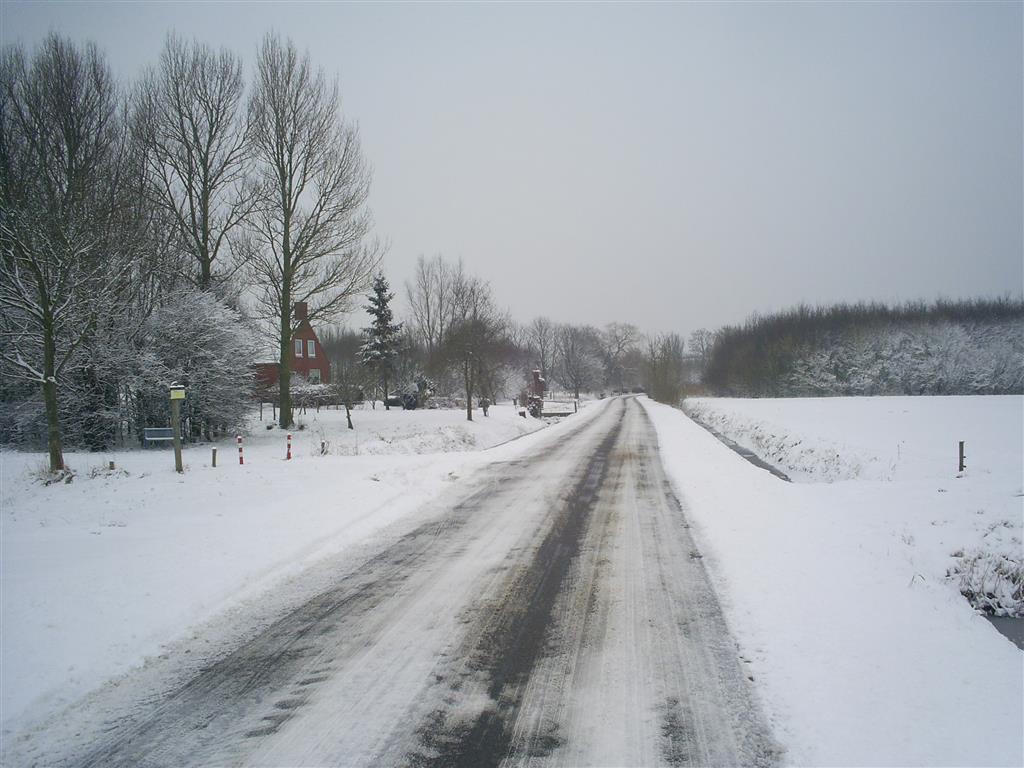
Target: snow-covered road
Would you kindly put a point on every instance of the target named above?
(552, 609)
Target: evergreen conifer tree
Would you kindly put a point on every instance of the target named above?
(382, 336)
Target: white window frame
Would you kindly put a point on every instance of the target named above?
(298, 347)
(310, 348)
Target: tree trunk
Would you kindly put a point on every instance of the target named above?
(468, 378)
(387, 406)
(348, 415)
(50, 400)
(205, 258)
(285, 378)
(205, 273)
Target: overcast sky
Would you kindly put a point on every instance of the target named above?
(674, 166)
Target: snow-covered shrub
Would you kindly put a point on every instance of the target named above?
(992, 582)
(197, 341)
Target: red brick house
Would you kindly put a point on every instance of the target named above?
(308, 357)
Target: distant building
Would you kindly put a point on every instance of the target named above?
(309, 359)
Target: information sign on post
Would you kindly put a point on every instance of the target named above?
(177, 395)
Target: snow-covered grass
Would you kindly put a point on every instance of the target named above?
(379, 431)
(909, 444)
(873, 438)
(865, 651)
(102, 572)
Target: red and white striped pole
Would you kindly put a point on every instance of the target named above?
(289, 456)
(241, 460)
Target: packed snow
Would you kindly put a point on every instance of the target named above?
(863, 647)
(99, 574)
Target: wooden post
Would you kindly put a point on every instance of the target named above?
(110, 466)
(261, 409)
(323, 447)
(176, 424)
(963, 465)
(241, 459)
(213, 457)
(288, 457)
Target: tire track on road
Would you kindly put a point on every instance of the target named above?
(511, 638)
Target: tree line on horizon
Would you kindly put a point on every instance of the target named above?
(946, 347)
(458, 344)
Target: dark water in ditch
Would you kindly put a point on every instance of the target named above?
(1010, 627)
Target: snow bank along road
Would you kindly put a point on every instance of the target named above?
(553, 610)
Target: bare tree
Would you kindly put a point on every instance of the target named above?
(617, 339)
(701, 341)
(349, 378)
(189, 115)
(434, 303)
(311, 223)
(665, 369)
(62, 249)
(474, 338)
(579, 364)
(541, 334)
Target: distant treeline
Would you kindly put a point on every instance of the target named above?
(944, 348)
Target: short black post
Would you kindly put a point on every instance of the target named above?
(963, 466)
(213, 457)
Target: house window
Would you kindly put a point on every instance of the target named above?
(314, 375)
(310, 348)
(298, 347)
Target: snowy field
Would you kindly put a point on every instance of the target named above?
(908, 445)
(842, 587)
(100, 574)
(825, 439)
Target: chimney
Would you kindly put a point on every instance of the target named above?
(301, 311)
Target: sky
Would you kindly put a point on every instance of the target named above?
(675, 165)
